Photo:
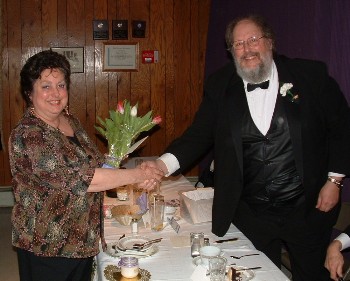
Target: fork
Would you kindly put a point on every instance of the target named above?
(235, 257)
(140, 246)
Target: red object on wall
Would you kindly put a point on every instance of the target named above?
(150, 56)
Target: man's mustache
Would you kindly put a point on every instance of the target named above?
(247, 55)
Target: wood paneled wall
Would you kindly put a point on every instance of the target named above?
(172, 87)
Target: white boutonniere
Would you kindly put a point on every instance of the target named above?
(285, 91)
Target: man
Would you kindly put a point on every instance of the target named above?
(334, 259)
(280, 150)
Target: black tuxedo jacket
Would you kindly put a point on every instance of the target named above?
(347, 230)
(319, 123)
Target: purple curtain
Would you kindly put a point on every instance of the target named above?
(318, 29)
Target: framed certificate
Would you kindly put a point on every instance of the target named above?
(120, 56)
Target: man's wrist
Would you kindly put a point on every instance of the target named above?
(171, 163)
(337, 181)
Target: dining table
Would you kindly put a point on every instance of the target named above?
(171, 258)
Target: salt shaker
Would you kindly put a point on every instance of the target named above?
(129, 267)
(206, 242)
(197, 241)
(134, 227)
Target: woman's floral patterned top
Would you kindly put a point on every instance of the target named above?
(53, 214)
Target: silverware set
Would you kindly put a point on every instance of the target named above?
(226, 240)
(140, 246)
(236, 257)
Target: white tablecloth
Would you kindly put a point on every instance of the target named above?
(176, 263)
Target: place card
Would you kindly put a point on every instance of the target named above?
(174, 224)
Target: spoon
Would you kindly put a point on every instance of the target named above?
(142, 245)
(235, 257)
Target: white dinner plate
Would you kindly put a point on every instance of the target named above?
(113, 251)
(127, 243)
(243, 275)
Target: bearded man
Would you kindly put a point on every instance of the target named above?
(280, 129)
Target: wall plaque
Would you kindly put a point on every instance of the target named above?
(120, 29)
(138, 28)
(100, 30)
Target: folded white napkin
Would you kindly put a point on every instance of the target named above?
(200, 193)
(199, 274)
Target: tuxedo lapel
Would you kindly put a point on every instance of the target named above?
(237, 106)
(292, 110)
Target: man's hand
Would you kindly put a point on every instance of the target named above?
(328, 197)
(159, 164)
(154, 165)
(334, 260)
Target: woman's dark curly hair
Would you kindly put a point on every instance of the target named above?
(36, 64)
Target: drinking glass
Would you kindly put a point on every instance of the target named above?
(217, 268)
(157, 212)
(197, 241)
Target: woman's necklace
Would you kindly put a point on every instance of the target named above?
(49, 122)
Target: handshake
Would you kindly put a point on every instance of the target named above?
(153, 171)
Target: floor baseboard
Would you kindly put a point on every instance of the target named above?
(6, 196)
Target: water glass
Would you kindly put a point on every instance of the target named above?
(157, 212)
(209, 252)
(217, 268)
(197, 241)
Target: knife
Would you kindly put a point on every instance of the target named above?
(248, 268)
(226, 240)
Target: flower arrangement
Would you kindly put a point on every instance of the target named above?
(285, 90)
(122, 129)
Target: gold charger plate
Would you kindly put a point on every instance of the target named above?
(112, 273)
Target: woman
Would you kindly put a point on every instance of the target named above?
(57, 179)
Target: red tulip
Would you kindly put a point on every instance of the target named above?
(120, 107)
(157, 119)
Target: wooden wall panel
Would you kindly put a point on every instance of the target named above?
(89, 70)
(172, 88)
(49, 23)
(4, 88)
(157, 72)
(169, 123)
(182, 59)
(76, 38)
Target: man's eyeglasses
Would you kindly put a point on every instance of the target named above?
(251, 42)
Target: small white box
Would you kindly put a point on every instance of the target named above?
(198, 210)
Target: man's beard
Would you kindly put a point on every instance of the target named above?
(257, 75)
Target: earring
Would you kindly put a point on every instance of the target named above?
(66, 110)
(32, 110)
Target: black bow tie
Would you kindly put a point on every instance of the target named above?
(262, 85)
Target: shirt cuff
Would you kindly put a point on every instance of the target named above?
(170, 162)
(331, 174)
(344, 239)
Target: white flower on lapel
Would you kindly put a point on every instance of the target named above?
(285, 91)
(285, 88)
